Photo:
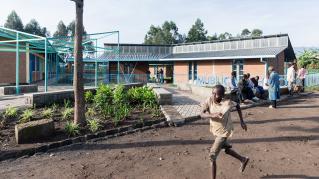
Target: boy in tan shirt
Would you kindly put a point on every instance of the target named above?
(218, 111)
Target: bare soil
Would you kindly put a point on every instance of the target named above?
(281, 143)
(7, 134)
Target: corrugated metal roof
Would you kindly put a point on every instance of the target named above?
(240, 53)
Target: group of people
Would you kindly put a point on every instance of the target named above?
(159, 76)
(247, 88)
(296, 77)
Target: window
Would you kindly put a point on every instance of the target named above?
(195, 70)
(190, 71)
(238, 67)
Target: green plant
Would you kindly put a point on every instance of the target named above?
(90, 112)
(54, 107)
(89, 96)
(119, 96)
(142, 96)
(156, 111)
(103, 100)
(26, 116)
(72, 129)
(67, 113)
(47, 113)
(120, 113)
(94, 125)
(11, 112)
(67, 103)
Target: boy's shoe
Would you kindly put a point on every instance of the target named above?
(244, 164)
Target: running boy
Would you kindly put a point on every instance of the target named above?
(218, 110)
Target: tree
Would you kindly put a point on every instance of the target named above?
(256, 33)
(197, 33)
(213, 37)
(309, 58)
(33, 27)
(245, 33)
(167, 34)
(14, 22)
(225, 36)
(61, 30)
(71, 29)
(79, 104)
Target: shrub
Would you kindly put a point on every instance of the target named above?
(11, 112)
(119, 96)
(120, 113)
(94, 125)
(90, 112)
(67, 103)
(103, 100)
(47, 113)
(72, 129)
(89, 96)
(26, 116)
(142, 96)
(67, 113)
(54, 107)
(156, 111)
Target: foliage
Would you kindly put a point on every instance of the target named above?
(90, 112)
(48, 113)
(11, 112)
(310, 59)
(88, 96)
(26, 116)
(33, 27)
(14, 22)
(61, 30)
(54, 107)
(71, 29)
(142, 96)
(245, 33)
(67, 113)
(225, 36)
(156, 111)
(256, 33)
(197, 33)
(167, 34)
(94, 125)
(72, 129)
(67, 103)
(103, 99)
(119, 95)
(120, 113)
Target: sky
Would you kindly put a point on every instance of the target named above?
(298, 18)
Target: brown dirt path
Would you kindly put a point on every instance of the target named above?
(282, 143)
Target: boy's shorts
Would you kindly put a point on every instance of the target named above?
(219, 144)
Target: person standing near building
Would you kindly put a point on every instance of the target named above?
(302, 72)
(233, 88)
(161, 75)
(291, 77)
(148, 75)
(273, 87)
(217, 110)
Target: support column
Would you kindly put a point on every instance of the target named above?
(45, 67)
(57, 67)
(118, 57)
(96, 68)
(17, 65)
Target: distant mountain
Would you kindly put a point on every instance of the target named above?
(300, 50)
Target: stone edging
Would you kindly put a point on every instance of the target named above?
(101, 135)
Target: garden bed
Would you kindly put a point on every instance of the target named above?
(108, 110)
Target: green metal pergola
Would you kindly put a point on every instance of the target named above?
(62, 47)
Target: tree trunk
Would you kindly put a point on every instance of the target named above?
(79, 103)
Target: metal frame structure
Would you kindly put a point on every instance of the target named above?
(59, 48)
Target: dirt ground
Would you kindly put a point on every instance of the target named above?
(281, 143)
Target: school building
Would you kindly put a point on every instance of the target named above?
(186, 63)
